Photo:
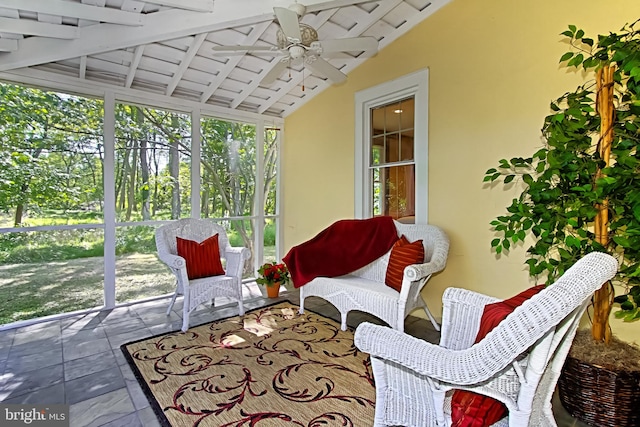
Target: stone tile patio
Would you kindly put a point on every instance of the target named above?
(77, 360)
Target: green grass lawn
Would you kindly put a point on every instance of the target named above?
(37, 289)
(33, 290)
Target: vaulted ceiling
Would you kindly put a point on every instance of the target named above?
(164, 48)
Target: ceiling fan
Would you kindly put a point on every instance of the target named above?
(297, 43)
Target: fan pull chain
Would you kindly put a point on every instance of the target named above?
(303, 78)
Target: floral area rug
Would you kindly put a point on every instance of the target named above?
(271, 368)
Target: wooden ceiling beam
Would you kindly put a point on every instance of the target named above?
(35, 28)
(76, 10)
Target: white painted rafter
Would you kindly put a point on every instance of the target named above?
(8, 45)
(76, 10)
(195, 5)
(215, 83)
(184, 64)
(137, 55)
(35, 28)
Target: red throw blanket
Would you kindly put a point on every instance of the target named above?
(341, 248)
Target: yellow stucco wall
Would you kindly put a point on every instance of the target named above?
(493, 69)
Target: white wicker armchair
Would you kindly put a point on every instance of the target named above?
(517, 363)
(198, 291)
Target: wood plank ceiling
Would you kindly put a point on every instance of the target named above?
(163, 48)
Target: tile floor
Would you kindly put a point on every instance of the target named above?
(77, 360)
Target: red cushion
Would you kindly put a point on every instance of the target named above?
(469, 409)
(203, 259)
(403, 253)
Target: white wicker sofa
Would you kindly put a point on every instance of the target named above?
(365, 290)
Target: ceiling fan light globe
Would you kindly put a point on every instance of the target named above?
(296, 52)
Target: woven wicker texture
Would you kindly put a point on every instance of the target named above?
(599, 396)
(199, 291)
(365, 290)
(518, 362)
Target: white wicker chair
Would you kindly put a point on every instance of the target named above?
(518, 362)
(364, 289)
(198, 291)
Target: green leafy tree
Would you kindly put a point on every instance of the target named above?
(47, 141)
(580, 190)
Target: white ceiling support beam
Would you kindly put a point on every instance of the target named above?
(137, 55)
(76, 10)
(159, 26)
(253, 36)
(335, 4)
(50, 19)
(184, 64)
(48, 80)
(35, 28)
(7, 45)
(196, 5)
(82, 72)
(164, 25)
(100, 3)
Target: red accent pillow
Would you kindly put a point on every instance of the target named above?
(203, 259)
(403, 253)
(469, 409)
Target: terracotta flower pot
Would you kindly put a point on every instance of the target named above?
(273, 290)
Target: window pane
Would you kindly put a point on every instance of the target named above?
(152, 161)
(406, 145)
(50, 157)
(394, 192)
(228, 162)
(271, 150)
(392, 132)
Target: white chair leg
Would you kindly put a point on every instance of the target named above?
(173, 301)
(240, 307)
(429, 315)
(343, 322)
(185, 319)
(301, 311)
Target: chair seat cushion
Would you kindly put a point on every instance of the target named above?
(403, 254)
(469, 409)
(202, 259)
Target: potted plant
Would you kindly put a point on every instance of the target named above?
(581, 193)
(272, 275)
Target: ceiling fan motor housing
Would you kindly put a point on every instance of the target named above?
(308, 33)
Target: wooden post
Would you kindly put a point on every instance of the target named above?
(602, 299)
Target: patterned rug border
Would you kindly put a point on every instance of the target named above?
(155, 406)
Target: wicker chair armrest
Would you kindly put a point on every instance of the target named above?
(461, 313)
(416, 272)
(420, 356)
(236, 256)
(174, 262)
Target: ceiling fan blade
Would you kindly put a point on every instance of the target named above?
(323, 68)
(353, 44)
(288, 20)
(275, 72)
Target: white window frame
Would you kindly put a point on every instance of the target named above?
(414, 85)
